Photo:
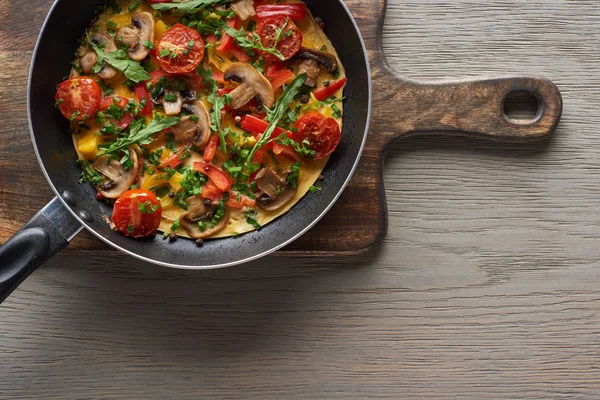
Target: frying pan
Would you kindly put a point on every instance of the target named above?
(75, 206)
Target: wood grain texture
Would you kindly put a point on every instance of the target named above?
(486, 285)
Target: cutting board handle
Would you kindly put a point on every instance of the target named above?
(463, 107)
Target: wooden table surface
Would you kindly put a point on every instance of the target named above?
(487, 285)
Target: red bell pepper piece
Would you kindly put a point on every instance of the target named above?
(275, 68)
(228, 43)
(288, 151)
(215, 174)
(212, 192)
(244, 201)
(121, 102)
(282, 78)
(211, 148)
(297, 12)
(174, 160)
(326, 92)
(142, 93)
(218, 75)
(259, 126)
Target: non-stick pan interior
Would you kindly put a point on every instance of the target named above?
(66, 22)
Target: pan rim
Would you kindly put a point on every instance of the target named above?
(217, 266)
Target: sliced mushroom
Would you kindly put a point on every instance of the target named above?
(116, 179)
(202, 211)
(274, 192)
(311, 68)
(244, 9)
(136, 35)
(327, 60)
(252, 85)
(172, 107)
(88, 62)
(108, 44)
(188, 130)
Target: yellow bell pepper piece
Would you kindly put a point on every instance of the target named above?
(218, 59)
(88, 144)
(121, 20)
(160, 29)
(123, 91)
(175, 181)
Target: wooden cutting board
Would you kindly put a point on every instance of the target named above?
(358, 221)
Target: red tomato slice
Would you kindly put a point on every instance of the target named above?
(78, 98)
(212, 192)
(326, 92)
(322, 133)
(121, 102)
(215, 174)
(288, 46)
(180, 50)
(296, 12)
(142, 93)
(137, 213)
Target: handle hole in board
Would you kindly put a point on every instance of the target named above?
(522, 107)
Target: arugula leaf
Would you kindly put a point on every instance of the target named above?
(121, 61)
(138, 135)
(218, 103)
(278, 111)
(187, 7)
(255, 43)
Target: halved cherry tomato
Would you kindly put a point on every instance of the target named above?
(296, 12)
(211, 148)
(215, 174)
(180, 50)
(211, 192)
(137, 213)
(121, 102)
(142, 93)
(282, 78)
(323, 133)
(78, 98)
(291, 40)
(326, 92)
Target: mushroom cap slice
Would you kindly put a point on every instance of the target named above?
(104, 39)
(275, 193)
(116, 179)
(324, 58)
(252, 85)
(172, 107)
(140, 31)
(244, 9)
(196, 132)
(201, 210)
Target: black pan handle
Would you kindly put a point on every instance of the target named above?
(47, 233)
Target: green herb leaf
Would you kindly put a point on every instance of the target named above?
(255, 43)
(187, 7)
(138, 135)
(218, 103)
(121, 61)
(279, 110)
